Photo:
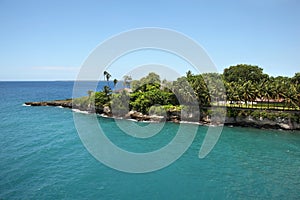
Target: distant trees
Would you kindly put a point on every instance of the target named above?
(126, 80)
(90, 92)
(106, 76)
(296, 79)
(120, 103)
(255, 86)
(147, 92)
(239, 86)
(152, 95)
(115, 82)
(242, 73)
(151, 79)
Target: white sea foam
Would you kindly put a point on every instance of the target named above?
(134, 120)
(25, 104)
(80, 111)
(187, 122)
(103, 115)
(59, 106)
(152, 122)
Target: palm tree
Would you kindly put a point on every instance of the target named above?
(298, 94)
(90, 92)
(254, 93)
(241, 93)
(115, 82)
(278, 93)
(290, 96)
(127, 80)
(104, 74)
(268, 93)
(205, 98)
(232, 92)
(248, 92)
(108, 77)
(107, 91)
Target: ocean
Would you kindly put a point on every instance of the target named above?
(42, 157)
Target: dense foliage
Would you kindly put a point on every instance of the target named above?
(243, 86)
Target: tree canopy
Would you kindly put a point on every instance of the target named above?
(239, 86)
(243, 73)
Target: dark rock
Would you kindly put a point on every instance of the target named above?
(175, 116)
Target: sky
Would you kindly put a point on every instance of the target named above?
(50, 40)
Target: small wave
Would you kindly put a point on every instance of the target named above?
(144, 121)
(214, 125)
(80, 111)
(59, 107)
(153, 122)
(119, 118)
(134, 120)
(103, 115)
(187, 122)
(25, 104)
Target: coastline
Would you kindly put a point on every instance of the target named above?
(278, 123)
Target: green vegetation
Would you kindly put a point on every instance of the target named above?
(259, 90)
(243, 89)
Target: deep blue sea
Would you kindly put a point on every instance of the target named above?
(42, 157)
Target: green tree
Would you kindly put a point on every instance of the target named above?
(151, 94)
(215, 86)
(243, 73)
(268, 92)
(296, 78)
(199, 89)
(126, 80)
(107, 91)
(248, 91)
(104, 74)
(107, 78)
(90, 92)
(120, 103)
(115, 82)
(184, 92)
(290, 96)
(151, 78)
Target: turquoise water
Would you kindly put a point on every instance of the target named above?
(42, 157)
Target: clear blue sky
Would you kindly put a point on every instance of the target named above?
(49, 40)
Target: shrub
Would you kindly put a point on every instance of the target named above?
(157, 110)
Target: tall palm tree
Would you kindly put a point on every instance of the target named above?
(298, 94)
(239, 93)
(260, 92)
(107, 91)
(232, 92)
(90, 92)
(127, 80)
(229, 92)
(115, 82)
(278, 93)
(290, 96)
(254, 93)
(108, 77)
(104, 74)
(268, 93)
(248, 92)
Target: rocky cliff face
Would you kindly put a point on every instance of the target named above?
(249, 121)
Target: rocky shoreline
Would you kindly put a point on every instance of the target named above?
(175, 116)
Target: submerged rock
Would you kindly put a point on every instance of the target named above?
(62, 103)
